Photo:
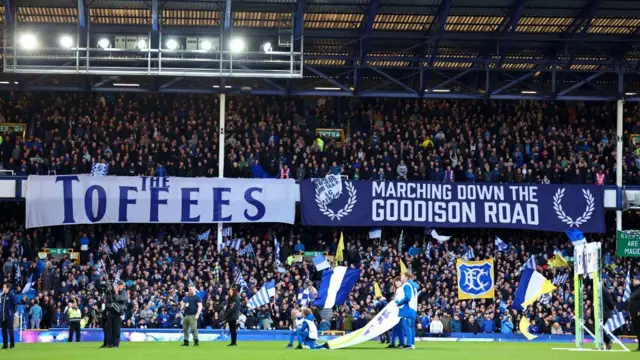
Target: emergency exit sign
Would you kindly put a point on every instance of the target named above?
(628, 244)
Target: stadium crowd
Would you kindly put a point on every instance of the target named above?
(389, 139)
(159, 262)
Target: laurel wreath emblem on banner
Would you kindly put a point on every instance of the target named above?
(588, 212)
(346, 210)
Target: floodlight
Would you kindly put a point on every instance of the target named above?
(236, 45)
(104, 43)
(142, 44)
(266, 47)
(206, 45)
(66, 41)
(28, 41)
(172, 44)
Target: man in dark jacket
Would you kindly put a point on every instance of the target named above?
(8, 306)
(232, 313)
(607, 311)
(634, 308)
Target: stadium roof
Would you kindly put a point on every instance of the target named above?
(561, 49)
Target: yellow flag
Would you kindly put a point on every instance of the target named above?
(376, 290)
(560, 262)
(403, 267)
(340, 249)
(524, 328)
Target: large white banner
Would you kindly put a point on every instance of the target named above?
(70, 199)
(380, 324)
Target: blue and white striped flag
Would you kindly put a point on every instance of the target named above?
(246, 250)
(576, 236)
(427, 252)
(263, 296)
(120, 244)
(276, 249)
(18, 273)
(616, 321)
(401, 242)
(336, 286)
(469, 255)
(239, 280)
(227, 232)
(320, 262)
(99, 169)
(627, 287)
(545, 299)
(204, 236)
(29, 285)
(501, 245)
(375, 233)
(560, 279)
(234, 244)
(531, 263)
(117, 278)
(304, 297)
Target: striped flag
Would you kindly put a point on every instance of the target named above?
(501, 245)
(546, 299)
(227, 232)
(239, 280)
(216, 273)
(117, 278)
(451, 258)
(276, 247)
(336, 286)
(204, 236)
(560, 279)
(469, 255)
(401, 241)
(627, 288)
(29, 285)
(120, 244)
(235, 244)
(616, 321)
(531, 263)
(304, 297)
(263, 296)
(427, 252)
(246, 250)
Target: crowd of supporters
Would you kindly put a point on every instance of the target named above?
(388, 139)
(159, 262)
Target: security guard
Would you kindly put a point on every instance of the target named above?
(634, 308)
(75, 316)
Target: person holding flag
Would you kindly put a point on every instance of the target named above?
(408, 309)
(397, 332)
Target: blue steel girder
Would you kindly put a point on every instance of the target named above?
(509, 26)
(437, 28)
(82, 20)
(365, 40)
(514, 82)
(226, 27)
(327, 78)
(392, 79)
(581, 83)
(298, 20)
(8, 12)
(580, 25)
(154, 16)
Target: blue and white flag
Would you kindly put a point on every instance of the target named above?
(531, 263)
(29, 285)
(263, 297)
(616, 322)
(440, 238)
(469, 255)
(239, 280)
(227, 232)
(99, 169)
(576, 236)
(246, 250)
(501, 245)
(336, 286)
(545, 299)
(18, 273)
(276, 248)
(401, 242)
(234, 244)
(117, 278)
(560, 279)
(375, 233)
(427, 252)
(627, 287)
(204, 236)
(304, 297)
(320, 262)
(532, 286)
(120, 244)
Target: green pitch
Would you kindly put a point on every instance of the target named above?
(277, 351)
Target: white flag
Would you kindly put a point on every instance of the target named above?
(328, 189)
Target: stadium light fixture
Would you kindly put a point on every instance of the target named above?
(441, 90)
(104, 43)
(66, 41)
(327, 88)
(528, 92)
(206, 45)
(28, 41)
(227, 86)
(236, 45)
(172, 44)
(630, 94)
(5, 82)
(266, 47)
(216, 86)
(126, 84)
(142, 44)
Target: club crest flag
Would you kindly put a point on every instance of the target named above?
(328, 189)
(475, 279)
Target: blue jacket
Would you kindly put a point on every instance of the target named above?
(304, 329)
(8, 305)
(409, 292)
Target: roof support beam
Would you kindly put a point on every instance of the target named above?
(436, 29)
(327, 78)
(578, 85)
(365, 40)
(581, 24)
(226, 21)
(154, 15)
(394, 80)
(298, 20)
(509, 26)
(82, 20)
(8, 12)
(514, 82)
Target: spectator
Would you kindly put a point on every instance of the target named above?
(35, 315)
(436, 327)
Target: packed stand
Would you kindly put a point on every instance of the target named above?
(387, 139)
(158, 263)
